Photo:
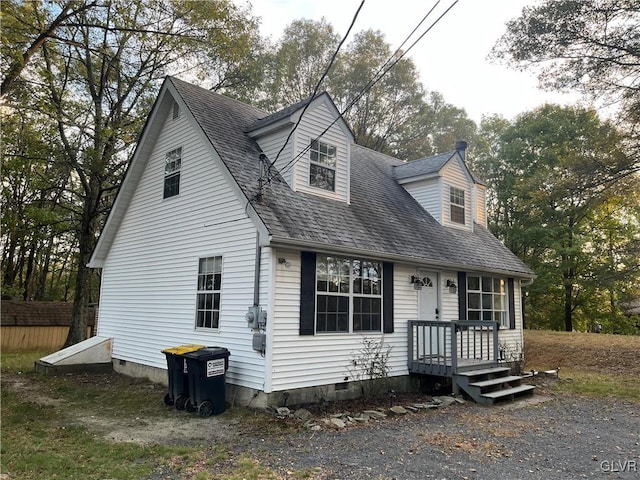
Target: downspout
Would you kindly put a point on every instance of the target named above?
(256, 278)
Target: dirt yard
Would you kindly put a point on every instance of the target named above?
(556, 434)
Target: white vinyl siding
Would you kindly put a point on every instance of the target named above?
(513, 338)
(448, 300)
(313, 123)
(427, 194)
(481, 205)
(148, 299)
(309, 360)
(271, 145)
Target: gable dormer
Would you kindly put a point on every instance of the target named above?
(314, 160)
(446, 188)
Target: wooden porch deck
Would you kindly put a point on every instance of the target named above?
(445, 367)
(446, 348)
(466, 351)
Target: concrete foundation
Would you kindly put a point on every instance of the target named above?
(52, 370)
(248, 397)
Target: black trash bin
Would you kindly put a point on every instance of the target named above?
(177, 375)
(207, 368)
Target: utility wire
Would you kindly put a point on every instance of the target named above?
(376, 78)
(315, 90)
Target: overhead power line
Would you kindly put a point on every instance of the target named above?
(315, 90)
(382, 71)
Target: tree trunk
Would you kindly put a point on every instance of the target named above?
(8, 265)
(86, 243)
(568, 307)
(26, 284)
(41, 288)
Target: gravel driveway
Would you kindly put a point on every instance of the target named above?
(560, 437)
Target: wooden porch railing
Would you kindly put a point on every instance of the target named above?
(445, 348)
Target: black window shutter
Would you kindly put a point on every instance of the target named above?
(387, 297)
(512, 303)
(462, 296)
(307, 293)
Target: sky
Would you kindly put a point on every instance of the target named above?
(451, 58)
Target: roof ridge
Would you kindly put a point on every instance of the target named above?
(284, 112)
(215, 93)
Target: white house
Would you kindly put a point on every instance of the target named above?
(324, 244)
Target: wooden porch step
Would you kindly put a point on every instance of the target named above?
(508, 392)
(495, 381)
(486, 371)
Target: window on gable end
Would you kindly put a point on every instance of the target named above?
(457, 208)
(322, 166)
(172, 166)
(208, 294)
(176, 110)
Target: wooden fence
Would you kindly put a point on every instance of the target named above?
(29, 326)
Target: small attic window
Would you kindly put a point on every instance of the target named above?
(176, 110)
(322, 168)
(456, 199)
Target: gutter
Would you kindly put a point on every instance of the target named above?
(319, 247)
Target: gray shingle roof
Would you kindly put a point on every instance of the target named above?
(284, 113)
(382, 219)
(428, 166)
(422, 166)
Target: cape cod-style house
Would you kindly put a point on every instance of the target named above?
(293, 264)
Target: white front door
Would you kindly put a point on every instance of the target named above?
(429, 296)
(429, 308)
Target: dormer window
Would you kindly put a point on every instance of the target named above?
(456, 199)
(322, 167)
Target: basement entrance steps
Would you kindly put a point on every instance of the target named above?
(91, 355)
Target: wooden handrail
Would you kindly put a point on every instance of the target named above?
(438, 347)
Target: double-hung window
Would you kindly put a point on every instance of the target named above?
(487, 299)
(348, 295)
(208, 295)
(322, 167)
(456, 200)
(172, 166)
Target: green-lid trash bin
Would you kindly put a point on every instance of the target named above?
(207, 368)
(178, 375)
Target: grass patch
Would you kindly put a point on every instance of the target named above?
(45, 432)
(599, 385)
(39, 441)
(20, 362)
